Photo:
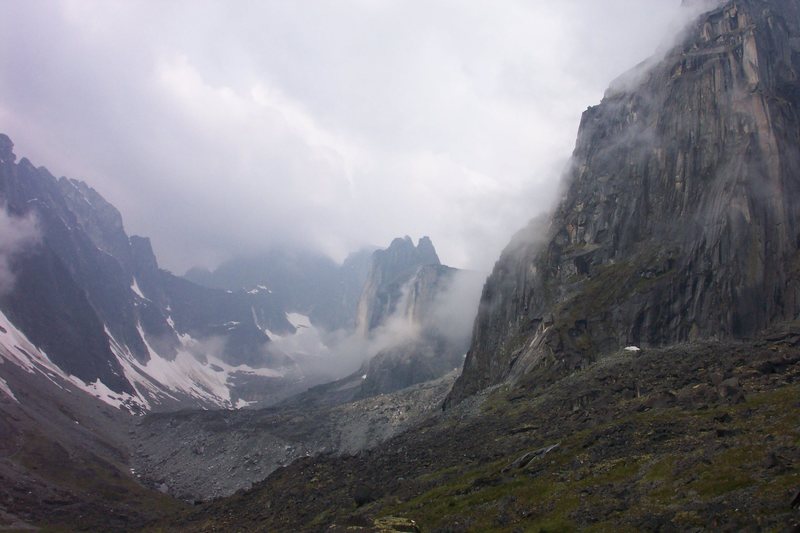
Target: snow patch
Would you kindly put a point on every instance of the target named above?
(135, 288)
(298, 320)
(99, 390)
(240, 403)
(258, 289)
(156, 380)
(5, 388)
(255, 318)
(306, 341)
(17, 349)
(207, 381)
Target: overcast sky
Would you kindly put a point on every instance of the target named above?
(221, 128)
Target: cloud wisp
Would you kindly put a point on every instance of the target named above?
(336, 354)
(17, 234)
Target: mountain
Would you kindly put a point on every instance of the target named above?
(300, 280)
(411, 357)
(93, 330)
(438, 303)
(634, 363)
(92, 306)
(390, 270)
(64, 455)
(635, 359)
(413, 324)
(681, 217)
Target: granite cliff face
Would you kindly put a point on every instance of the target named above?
(681, 217)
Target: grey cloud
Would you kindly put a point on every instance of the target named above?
(455, 309)
(225, 128)
(17, 234)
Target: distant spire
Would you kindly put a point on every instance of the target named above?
(6, 149)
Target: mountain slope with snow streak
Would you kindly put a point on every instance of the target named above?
(89, 306)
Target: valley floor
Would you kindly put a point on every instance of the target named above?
(691, 437)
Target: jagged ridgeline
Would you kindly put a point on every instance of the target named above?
(680, 219)
(91, 304)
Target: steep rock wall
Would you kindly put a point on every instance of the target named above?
(680, 217)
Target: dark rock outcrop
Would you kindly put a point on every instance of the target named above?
(403, 295)
(681, 218)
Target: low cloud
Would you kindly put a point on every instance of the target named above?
(17, 234)
(327, 125)
(324, 355)
(676, 32)
(454, 311)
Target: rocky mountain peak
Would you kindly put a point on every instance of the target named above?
(390, 270)
(425, 249)
(6, 149)
(402, 252)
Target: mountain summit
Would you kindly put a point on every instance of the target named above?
(390, 270)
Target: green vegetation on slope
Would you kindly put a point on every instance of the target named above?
(702, 435)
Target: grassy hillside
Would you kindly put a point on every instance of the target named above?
(701, 435)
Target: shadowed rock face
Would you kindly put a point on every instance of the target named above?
(431, 352)
(681, 214)
(415, 361)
